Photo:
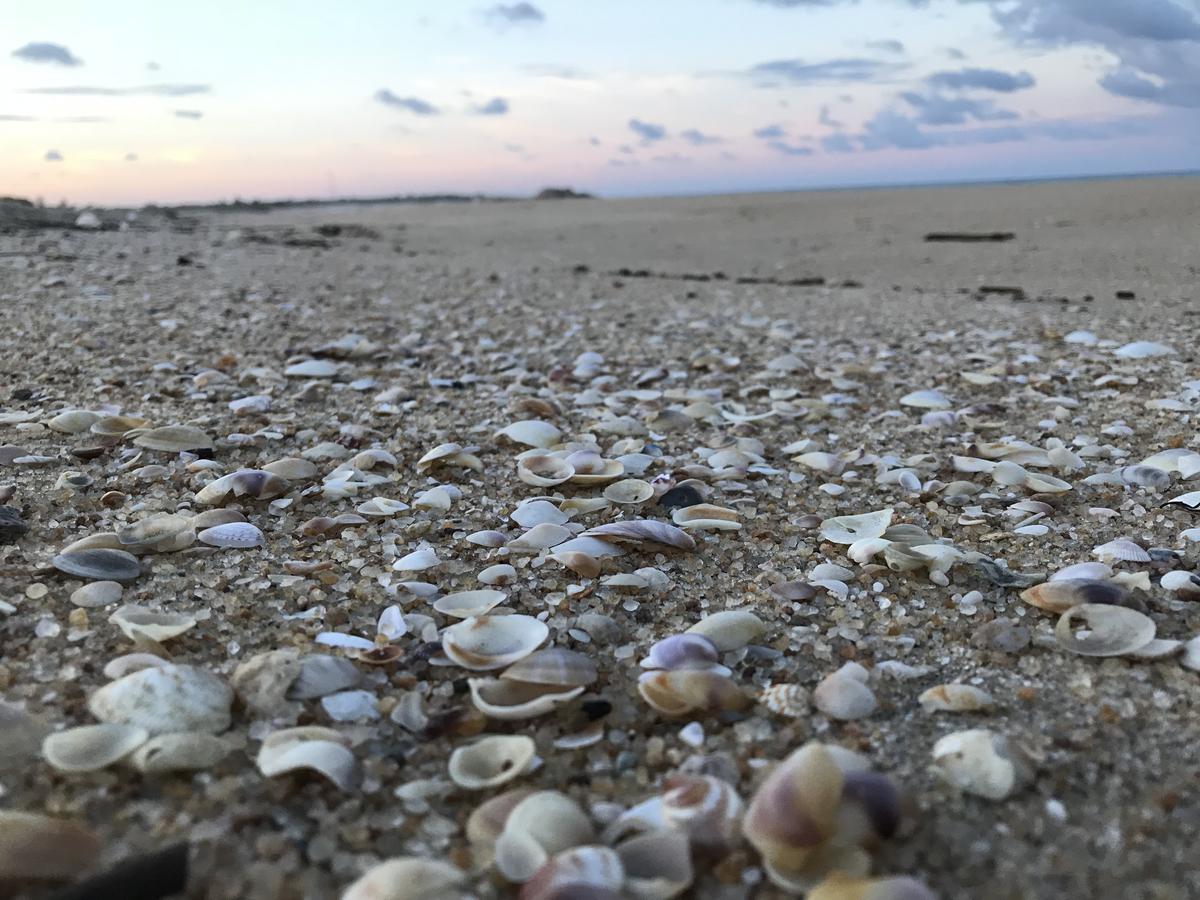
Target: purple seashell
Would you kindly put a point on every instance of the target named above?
(684, 651)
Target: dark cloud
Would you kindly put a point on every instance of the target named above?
(53, 156)
(770, 132)
(886, 46)
(42, 52)
(414, 105)
(826, 118)
(647, 131)
(789, 149)
(698, 138)
(933, 108)
(955, 53)
(831, 71)
(551, 70)
(497, 106)
(188, 114)
(982, 80)
(503, 15)
(837, 143)
(157, 90)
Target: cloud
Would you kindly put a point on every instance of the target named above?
(514, 148)
(831, 71)
(796, 4)
(41, 52)
(770, 132)
(131, 157)
(982, 80)
(954, 53)
(188, 114)
(886, 46)
(53, 156)
(12, 118)
(647, 131)
(414, 105)
(505, 15)
(888, 128)
(152, 66)
(934, 108)
(826, 118)
(698, 138)
(671, 158)
(789, 149)
(497, 106)
(837, 143)
(595, 141)
(553, 70)
(157, 90)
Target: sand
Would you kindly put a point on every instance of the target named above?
(469, 308)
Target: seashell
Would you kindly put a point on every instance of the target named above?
(498, 574)
(540, 826)
(486, 822)
(981, 762)
(92, 747)
(491, 761)
(369, 459)
(820, 461)
(611, 470)
(538, 512)
(581, 873)
(98, 564)
(33, 846)
(153, 530)
(1146, 476)
(684, 651)
(830, 572)
(491, 539)
(590, 546)
(955, 698)
(1185, 584)
(1041, 483)
(643, 531)
(420, 560)
(789, 700)
(292, 468)
(706, 808)
(74, 481)
(439, 498)
(409, 878)
(840, 886)
(1087, 571)
(262, 682)
(580, 563)
(1159, 648)
(730, 629)
(381, 507)
(311, 747)
(174, 439)
(706, 517)
(321, 675)
(1143, 350)
(234, 534)
(253, 483)
(515, 700)
(586, 462)
(543, 470)
(312, 368)
(1061, 595)
(928, 399)
(116, 426)
(120, 666)
(683, 691)
(553, 666)
(351, 706)
(465, 604)
(140, 623)
(541, 537)
(211, 518)
(531, 433)
(191, 751)
(630, 492)
(96, 594)
(166, 699)
(449, 455)
(1109, 630)
(844, 694)
(658, 865)
(1121, 549)
(851, 529)
(492, 642)
(1190, 500)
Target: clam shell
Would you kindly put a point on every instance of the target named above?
(166, 699)
(981, 762)
(92, 747)
(955, 698)
(610, 471)
(684, 691)
(174, 439)
(153, 530)
(115, 426)
(541, 825)
(312, 368)
(1088, 571)
(844, 694)
(1041, 483)
(418, 561)
(706, 808)
(538, 512)
(465, 604)
(408, 878)
(1190, 500)
(381, 507)
(440, 454)
(211, 518)
(581, 873)
(233, 534)
(321, 675)
(1146, 476)
(99, 564)
(684, 651)
(580, 563)
(515, 700)
(492, 642)
(254, 483)
(498, 574)
(140, 623)
(926, 399)
(1110, 630)
(186, 752)
(541, 537)
(292, 468)
(73, 421)
(543, 470)
(531, 433)
(553, 666)
(730, 629)
(97, 593)
(643, 531)
(491, 761)
(629, 491)
(33, 846)
(1060, 596)
(849, 529)
(490, 539)
(589, 546)
(319, 749)
(1143, 350)
(706, 517)
(658, 865)
(1184, 583)
(581, 506)
(1121, 549)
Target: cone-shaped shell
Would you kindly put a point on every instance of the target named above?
(491, 761)
(493, 642)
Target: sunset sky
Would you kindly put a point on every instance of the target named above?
(134, 101)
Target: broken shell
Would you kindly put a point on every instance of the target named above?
(513, 700)
(491, 761)
(540, 826)
(730, 629)
(541, 537)
(498, 574)
(580, 563)
(98, 564)
(140, 623)
(211, 518)
(537, 512)
(153, 530)
(683, 691)
(97, 593)
(492, 642)
(581, 873)
(322, 750)
(706, 808)
(262, 681)
(292, 468)
(630, 491)
(531, 433)
(166, 699)
(1109, 630)
(643, 531)
(955, 698)
(844, 694)
(253, 483)
(1190, 500)
(465, 604)
(234, 534)
(34, 846)
(706, 517)
(982, 762)
(381, 507)
(1146, 476)
(321, 675)
(850, 529)
(1059, 596)
(542, 470)
(190, 751)
(1088, 571)
(408, 878)
(553, 666)
(174, 439)
(92, 747)
(789, 700)
(128, 663)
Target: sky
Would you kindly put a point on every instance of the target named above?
(137, 101)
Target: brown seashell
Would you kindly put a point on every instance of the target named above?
(253, 483)
(553, 666)
(580, 563)
(34, 846)
(1060, 596)
(683, 691)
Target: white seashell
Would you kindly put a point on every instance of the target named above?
(97, 593)
(643, 531)
(491, 761)
(345, 641)
(531, 433)
(189, 751)
(1109, 630)
(849, 529)
(418, 561)
(630, 491)
(128, 663)
(830, 571)
(311, 747)
(864, 550)
(553, 666)
(544, 470)
(1190, 500)
(438, 498)
(1143, 350)
(292, 468)
(320, 675)
(541, 537)
(92, 747)
(658, 865)
(589, 546)
(312, 368)
(73, 421)
(790, 700)
(1086, 338)
(233, 534)
(538, 512)
(981, 762)
(1159, 648)
(381, 507)
(490, 539)
(581, 873)
(821, 462)
(502, 573)
(253, 483)
(929, 399)
(1184, 583)
(844, 694)
(730, 629)
(351, 706)
(492, 642)
(166, 699)
(142, 623)
(1121, 549)
(1191, 655)
(509, 700)
(706, 517)
(465, 604)
(955, 698)
(540, 826)
(1031, 530)
(409, 878)
(1085, 571)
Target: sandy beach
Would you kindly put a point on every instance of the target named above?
(664, 332)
